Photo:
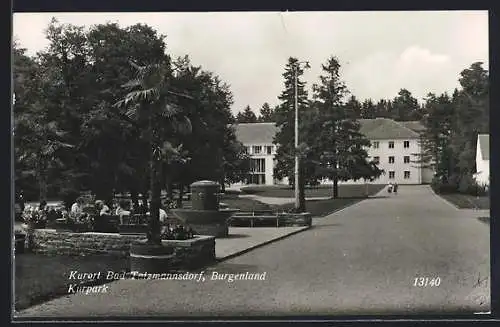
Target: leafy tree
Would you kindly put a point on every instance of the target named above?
(266, 114)
(26, 85)
(246, 116)
(236, 161)
(115, 153)
(65, 93)
(337, 140)
(435, 139)
(212, 134)
(472, 118)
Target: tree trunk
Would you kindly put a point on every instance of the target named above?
(135, 197)
(154, 210)
(222, 185)
(154, 221)
(42, 182)
(302, 190)
(302, 193)
(181, 195)
(335, 187)
(170, 191)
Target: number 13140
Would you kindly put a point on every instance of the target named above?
(426, 281)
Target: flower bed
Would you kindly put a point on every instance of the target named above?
(199, 249)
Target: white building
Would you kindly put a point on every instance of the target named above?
(258, 140)
(482, 175)
(395, 145)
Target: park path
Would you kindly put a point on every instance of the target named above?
(360, 260)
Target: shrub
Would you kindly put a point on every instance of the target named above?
(469, 186)
(465, 185)
(33, 215)
(440, 187)
(179, 232)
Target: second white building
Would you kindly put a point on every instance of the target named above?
(395, 146)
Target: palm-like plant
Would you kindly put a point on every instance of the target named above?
(151, 100)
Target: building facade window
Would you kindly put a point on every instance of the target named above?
(392, 174)
(258, 165)
(376, 144)
(246, 149)
(406, 159)
(257, 173)
(257, 149)
(376, 159)
(391, 144)
(269, 149)
(391, 159)
(406, 144)
(407, 174)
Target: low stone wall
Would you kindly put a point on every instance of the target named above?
(187, 253)
(295, 219)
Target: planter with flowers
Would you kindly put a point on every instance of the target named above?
(178, 232)
(80, 223)
(180, 248)
(34, 217)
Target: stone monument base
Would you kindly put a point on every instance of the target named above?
(217, 230)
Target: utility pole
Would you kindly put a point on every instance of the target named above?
(297, 160)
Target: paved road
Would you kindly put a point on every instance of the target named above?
(361, 260)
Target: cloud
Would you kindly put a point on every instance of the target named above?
(417, 55)
(380, 52)
(383, 74)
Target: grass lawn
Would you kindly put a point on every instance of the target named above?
(464, 201)
(321, 208)
(39, 278)
(349, 194)
(485, 220)
(283, 191)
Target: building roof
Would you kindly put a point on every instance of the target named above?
(386, 129)
(256, 133)
(484, 145)
(373, 129)
(414, 125)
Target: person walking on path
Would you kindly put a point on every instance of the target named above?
(389, 187)
(395, 188)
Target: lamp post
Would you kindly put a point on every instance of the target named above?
(297, 160)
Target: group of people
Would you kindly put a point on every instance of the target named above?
(125, 208)
(120, 208)
(392, 188)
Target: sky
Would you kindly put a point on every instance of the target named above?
(379, 52)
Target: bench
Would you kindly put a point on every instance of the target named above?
(134, 220)
(106, 223)
(256, 215)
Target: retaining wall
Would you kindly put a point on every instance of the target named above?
(193, 252)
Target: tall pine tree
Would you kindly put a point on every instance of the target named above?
(246, 116)
(266, 114)
(285, 122)
(337, 140)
